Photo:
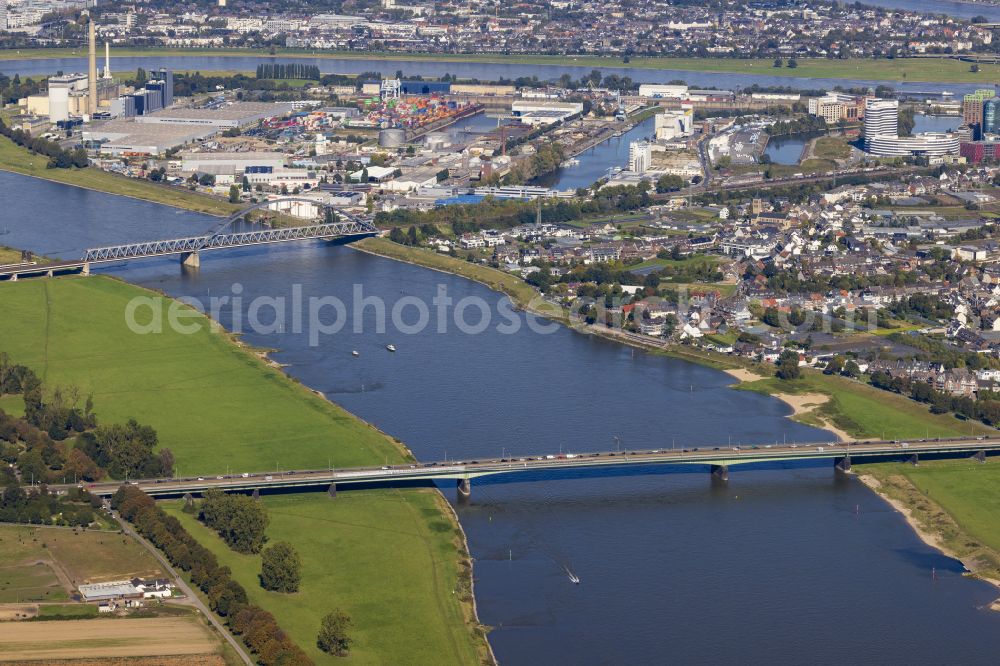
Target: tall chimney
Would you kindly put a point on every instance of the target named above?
(92, 74)
(107, 60)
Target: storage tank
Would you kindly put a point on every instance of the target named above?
(392, 138)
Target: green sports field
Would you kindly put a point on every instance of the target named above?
(214, 405)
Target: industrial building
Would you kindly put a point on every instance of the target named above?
(231, 164)
(125, 137)
(674, 124)
(538, 112)
(235, 115)
(657, 91)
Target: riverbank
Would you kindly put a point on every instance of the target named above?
(937, 525)
(805, 406)
(205, 387)
(19, 160)
(940, 70)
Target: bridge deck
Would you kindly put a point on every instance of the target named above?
(463, 470)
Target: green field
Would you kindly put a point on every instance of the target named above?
(867, 412)
(19, 160)
(217, 406)
(958, 501)
(214, 405)
(387, 558)
(942, 70)
(832, 148)
(30, 582)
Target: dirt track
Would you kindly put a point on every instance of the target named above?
(105, 637)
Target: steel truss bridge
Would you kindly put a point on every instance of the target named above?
(193, 244)
(553, 467)
(349, 227)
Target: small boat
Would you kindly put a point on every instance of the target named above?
(391, 348)
(355, 353)
(572, 576)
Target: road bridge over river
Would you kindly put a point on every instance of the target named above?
(349, 228)
(717, 460)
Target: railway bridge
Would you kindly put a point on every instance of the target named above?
(190, 248)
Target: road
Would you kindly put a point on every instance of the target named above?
(472, 468)
(194, 599)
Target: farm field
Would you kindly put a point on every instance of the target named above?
(45, 564)
(105, 638)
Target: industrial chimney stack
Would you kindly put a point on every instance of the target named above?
(92, 73)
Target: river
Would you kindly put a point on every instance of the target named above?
(783, 566)
(483, 71)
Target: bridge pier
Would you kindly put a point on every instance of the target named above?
(86, 268)
(979, 456)
(255, 494)
(720, 473)
(191, 259)
(464, 489)
(332, 491)
(842, 464)
(914, 460)
(13, 278)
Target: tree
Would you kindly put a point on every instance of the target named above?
(333, 636)
(280, 568)
(777, 62)
(234, 194)
(239, 519)
(792, 63)
(669, 183)
(788, 365)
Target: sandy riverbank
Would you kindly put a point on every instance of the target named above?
(801, 403)
(932, 539)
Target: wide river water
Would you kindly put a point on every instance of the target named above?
(484, 71)
(782, 566)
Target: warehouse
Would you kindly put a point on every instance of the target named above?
(544, 112)
(125, 137)
(238, 114)
(229, 164)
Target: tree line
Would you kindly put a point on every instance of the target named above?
(255, 626)
(58, 158)
(987, 411)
